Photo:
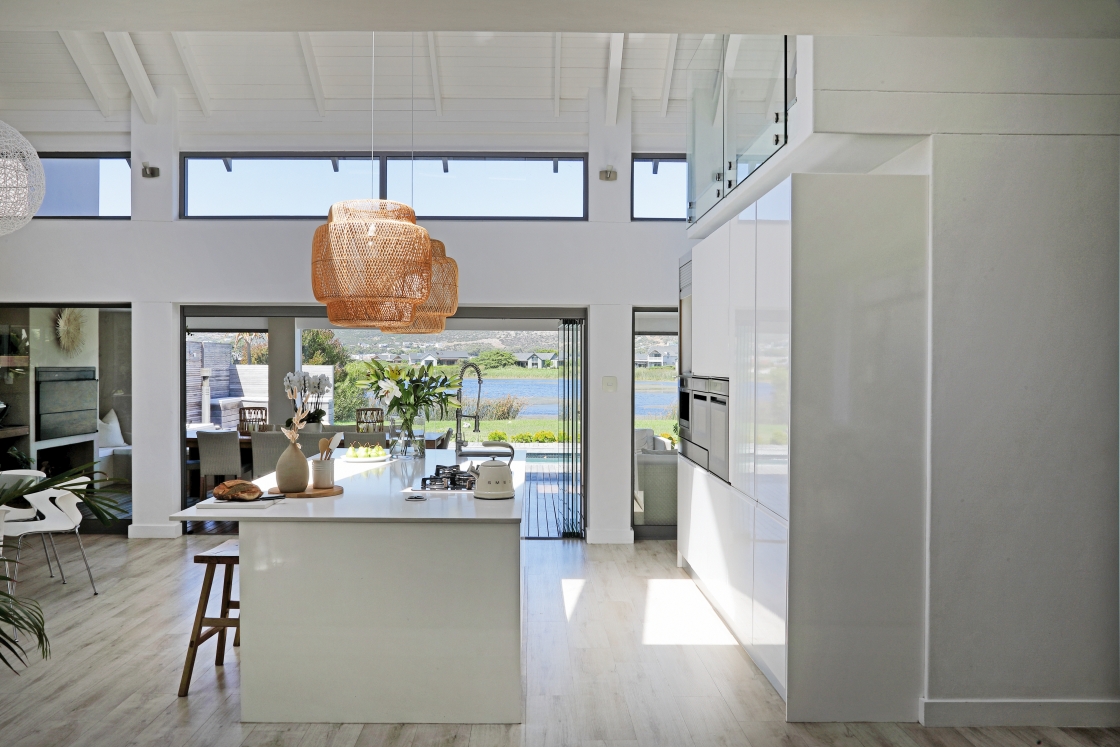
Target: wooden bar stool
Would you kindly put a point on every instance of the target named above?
(226, 554)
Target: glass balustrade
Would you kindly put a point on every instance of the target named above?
(737, 111)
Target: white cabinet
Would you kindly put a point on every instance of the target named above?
(732, 560)
(711, 346)
(827, 456)
(741, 264)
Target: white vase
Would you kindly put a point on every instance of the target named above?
(312, 427)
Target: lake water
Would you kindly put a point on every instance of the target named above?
(652, 399)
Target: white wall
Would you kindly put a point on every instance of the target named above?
(609, 438)
(1024, 512)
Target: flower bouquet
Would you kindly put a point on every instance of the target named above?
(307, 392)
(408, 392)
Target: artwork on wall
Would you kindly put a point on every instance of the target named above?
(68, 327)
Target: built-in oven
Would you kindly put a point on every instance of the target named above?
(703, 423)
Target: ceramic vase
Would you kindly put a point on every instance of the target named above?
(291, 470)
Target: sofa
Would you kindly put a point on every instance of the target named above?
(655, 479)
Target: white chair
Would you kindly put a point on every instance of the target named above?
(60, 515)
(11, 477)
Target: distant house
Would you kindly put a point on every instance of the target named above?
(537, 360)
(451, 357)
(662, 355)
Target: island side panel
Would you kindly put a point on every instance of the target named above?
(370, 622)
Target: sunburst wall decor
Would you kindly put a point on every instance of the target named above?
(68, 331)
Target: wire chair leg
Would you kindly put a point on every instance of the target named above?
(12, 584)
(83, 549)
(49, 568)
(57, 559)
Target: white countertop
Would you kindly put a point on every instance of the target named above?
(376, 493)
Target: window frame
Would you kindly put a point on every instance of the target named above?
(383, 158)
(127, 156)
(634, 158)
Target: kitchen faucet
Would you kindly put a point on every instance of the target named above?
(459, 441)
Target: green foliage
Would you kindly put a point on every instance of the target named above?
(322, 348)
(523, 438)
(350, 394)
(501, 408)
(546, 350)
(411, 390)
(544, 437)
(496, 359)
(670, 438)
(497, 436)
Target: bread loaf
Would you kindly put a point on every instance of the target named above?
(237, 490)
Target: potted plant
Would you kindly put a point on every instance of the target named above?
(310, 393)
(19, 615)
(408, 392)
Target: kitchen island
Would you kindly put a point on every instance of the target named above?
(367, 608)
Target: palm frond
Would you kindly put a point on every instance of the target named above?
(25, 616)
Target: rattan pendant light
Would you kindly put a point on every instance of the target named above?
(443, 301)
(370, 263)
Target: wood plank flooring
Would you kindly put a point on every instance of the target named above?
(606, 665)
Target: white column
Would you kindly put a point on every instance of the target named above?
(156, 198)
(609, 435)
(608, 146)
(156, 420)
(282, 356)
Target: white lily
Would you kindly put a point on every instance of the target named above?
(388, 390)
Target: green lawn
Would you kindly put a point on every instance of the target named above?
(531, 425)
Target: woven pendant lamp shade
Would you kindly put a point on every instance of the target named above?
(22, 183)
(370, 263)
(443, 300)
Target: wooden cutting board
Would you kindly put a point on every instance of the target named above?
(310, 492)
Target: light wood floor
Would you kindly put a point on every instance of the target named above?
(593, 675)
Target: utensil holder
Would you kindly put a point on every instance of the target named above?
(322, 473)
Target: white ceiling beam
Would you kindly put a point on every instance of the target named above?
(670, 64)
(437, 95)
(190, 62)
(134, 74)
(614, 78)
(313, 72)
(556, 74)
(81, 58)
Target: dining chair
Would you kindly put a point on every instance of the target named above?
(61, 514)
(250, 419)
(369, 419)
(267, 448)
(219, 455)
(309, 442)
(12, 477)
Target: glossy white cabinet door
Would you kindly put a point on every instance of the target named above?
(774, 256)
(742, 326)
(771, 568)
(710, 343)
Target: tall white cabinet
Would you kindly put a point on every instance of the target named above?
(824, 341)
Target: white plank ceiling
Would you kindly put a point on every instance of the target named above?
(496, 90)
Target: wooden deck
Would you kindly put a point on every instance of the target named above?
(547, 482)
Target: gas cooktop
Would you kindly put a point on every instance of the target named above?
(448, 477)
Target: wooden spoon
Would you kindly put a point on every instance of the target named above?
(324, 444)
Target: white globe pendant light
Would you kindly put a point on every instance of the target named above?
(22, 184)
